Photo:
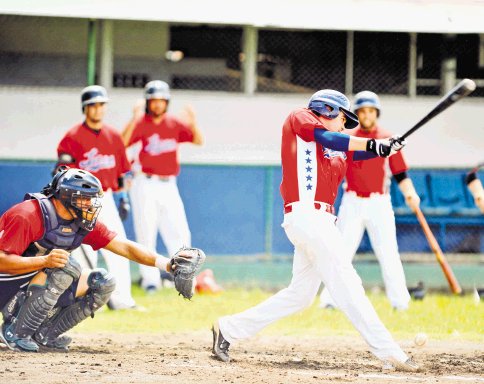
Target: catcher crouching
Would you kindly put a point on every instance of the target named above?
(44, 292)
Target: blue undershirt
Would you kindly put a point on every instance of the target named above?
(339, 142)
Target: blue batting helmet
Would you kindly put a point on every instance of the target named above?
(93, 94)
(157, 89)
(321, 100)
(367, 99)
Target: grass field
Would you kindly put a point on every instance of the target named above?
(442, 317)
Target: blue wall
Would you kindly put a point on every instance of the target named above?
(235, 210)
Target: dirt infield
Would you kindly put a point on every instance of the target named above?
(186, 358)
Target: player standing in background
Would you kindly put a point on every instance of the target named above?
(366, 203)
(44, 291)
(99, 149)
(476, 189)
(157, 205)
(314, 154)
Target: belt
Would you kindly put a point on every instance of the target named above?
(317, 205)
(365, 195)
(157, 177)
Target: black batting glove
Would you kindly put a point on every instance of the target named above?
(381, 148)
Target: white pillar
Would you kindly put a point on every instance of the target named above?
(449, 65)
(412, 65)
(350, 45)
(106, 54)
(249, 64)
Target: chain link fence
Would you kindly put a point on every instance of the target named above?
(41, 51)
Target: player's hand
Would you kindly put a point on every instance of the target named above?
(188, 115)
(57, 258)
(381, 148)
(139, 109)
(123, 208)
(397, 143)
(413, 201)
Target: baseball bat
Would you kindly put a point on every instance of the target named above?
(477, 167)
(464, 88)
(434, 245)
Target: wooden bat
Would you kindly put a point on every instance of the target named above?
(434, 245)
(461, 90)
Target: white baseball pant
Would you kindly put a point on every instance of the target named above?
(158, 207)
(319, 256)
(375, 213)
(118, 266)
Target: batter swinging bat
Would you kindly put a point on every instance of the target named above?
(453, 283)
(464, 88)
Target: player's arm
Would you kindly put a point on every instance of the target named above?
(407, 188)
(65, 155)
(16, 264)
(138, 253)
(343, 142)
(476, 189)
(138, 113)
(191, 121)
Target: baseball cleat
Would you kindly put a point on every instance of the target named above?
(220, 345)
(392, 364)
(60, 343)
(15, 343)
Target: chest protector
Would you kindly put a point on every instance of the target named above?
(57, 233)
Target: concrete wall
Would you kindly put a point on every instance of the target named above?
(238, 129)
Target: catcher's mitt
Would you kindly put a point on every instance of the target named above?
(185, 264)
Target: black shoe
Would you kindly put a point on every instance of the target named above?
(220, 345)
(418, 292)
(15, 343)
(60, 343)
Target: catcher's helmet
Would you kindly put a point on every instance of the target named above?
(319, 102)
(78, 190)
(157, 89)
(93, 94)
(367, 99)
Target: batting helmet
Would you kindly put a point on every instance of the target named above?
(157, 89)
(78, 190)
(93, 94)
(337, 102)
(367, 99)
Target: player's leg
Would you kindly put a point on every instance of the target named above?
(346, 288)
(118, 266)
(93, 291)
(383, 237)
(146, 211)
(298, 295)
(352, 226)
(42, 295)
(173, 225)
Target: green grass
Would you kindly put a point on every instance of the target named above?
(440, 316)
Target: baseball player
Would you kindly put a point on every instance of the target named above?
(99, 149)
(44, 292)
(366, 204)
(476, 189)
(157, 205)
(314, 155)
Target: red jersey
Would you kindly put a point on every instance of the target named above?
(100, 152)
(310, 172)
(23, 224)
(369, 176)
(159, 151)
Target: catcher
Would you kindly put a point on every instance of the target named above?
(43, 290)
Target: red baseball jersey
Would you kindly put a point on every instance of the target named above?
(100, 152)
(159, 150)
(310, 172)
(23, 224)
(369, 176)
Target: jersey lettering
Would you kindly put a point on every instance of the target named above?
(157, 146)
(95, 161)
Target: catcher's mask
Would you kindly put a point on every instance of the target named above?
(78, 191)
(336, 101)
